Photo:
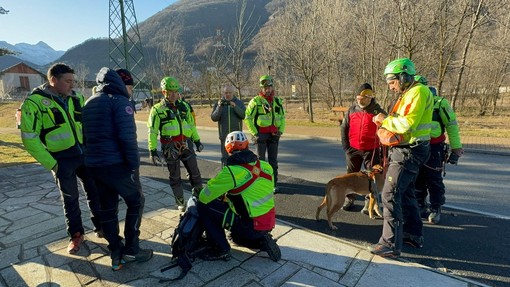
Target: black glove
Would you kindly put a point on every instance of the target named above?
(199, 145)
(453, 158)
(155, 157)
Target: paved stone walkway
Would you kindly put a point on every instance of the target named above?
(33, 249)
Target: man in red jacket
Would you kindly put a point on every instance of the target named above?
(359, 138)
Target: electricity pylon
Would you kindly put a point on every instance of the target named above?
(125, 46)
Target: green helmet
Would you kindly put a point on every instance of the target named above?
(170, 83)
(266, 81)
(421, 79)
(399, 66)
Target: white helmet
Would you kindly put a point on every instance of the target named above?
(236, 141)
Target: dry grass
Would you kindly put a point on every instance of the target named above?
(12, 151)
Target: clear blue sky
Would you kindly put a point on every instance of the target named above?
(63, 24)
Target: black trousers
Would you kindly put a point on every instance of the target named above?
(430, 178)
(269, 143)
(212, 217)
(173, 163)
(400, 209)
(355, 159)
(66, 178)
(114, 181)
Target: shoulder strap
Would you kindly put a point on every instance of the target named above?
(256, 172)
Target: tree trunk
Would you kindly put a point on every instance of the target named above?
(310, 105)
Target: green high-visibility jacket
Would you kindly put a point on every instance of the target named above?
(413, 116)
(51, 126)
(259, 113)
(168, 123)
(257, 197)
(445, 119)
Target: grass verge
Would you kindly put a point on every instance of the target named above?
(12, 151)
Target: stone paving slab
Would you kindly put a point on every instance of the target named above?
(33, 250)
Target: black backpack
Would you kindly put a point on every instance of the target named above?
(188, 240)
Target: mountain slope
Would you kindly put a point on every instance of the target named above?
(40, 53)
(194, 22)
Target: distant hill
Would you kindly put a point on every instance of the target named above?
(8, 61)
(40, 53)
(92, 54)
(197, 22)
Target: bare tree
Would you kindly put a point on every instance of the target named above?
(479, 16)
(299, 43)
(228, 54)
(81, 71)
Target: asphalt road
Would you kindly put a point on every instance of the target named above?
(471, 241)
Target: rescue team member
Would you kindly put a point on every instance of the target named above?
(359, 138)
(430, 179)
(240, 199)
(51, 131)
(111, 153)
(173, 122)
(410, 119)
(265, 119)
(229, 112)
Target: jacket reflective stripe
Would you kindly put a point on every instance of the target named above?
(58, 137)
(26, 135)
(262, 201)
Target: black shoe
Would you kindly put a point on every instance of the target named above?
(383, 251)
(423, 209)
(181, 204)
(142, 256)
(99, 233)
(269, 245)
(348, 204)
(213, 254)
(413, 240)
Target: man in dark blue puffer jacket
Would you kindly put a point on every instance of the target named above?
(111, 152)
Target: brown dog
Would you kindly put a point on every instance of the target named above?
(357, 182)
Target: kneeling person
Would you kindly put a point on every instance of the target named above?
(240, 199)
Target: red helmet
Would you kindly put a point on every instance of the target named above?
(236, 141)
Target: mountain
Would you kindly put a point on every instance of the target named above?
(194, 23)
(40, 53)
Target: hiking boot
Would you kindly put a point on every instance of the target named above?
(422, 208)
(365, 207)
(214, 254)
(142, 256)
(117, 261)
(181, 204)
(383, 251)
(415, 241)
(435, 215)
(269, 245)
(75, 243)
(349, 203)
(99, 234)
